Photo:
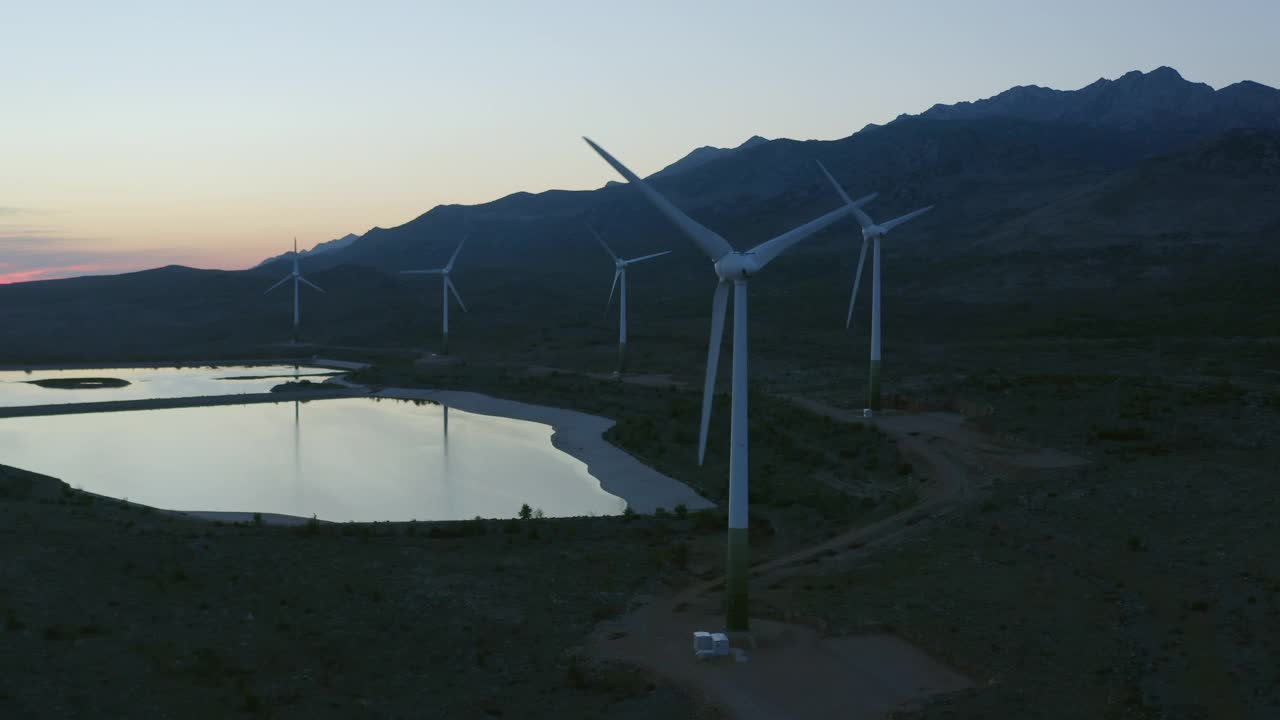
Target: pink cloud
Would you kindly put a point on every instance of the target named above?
(52, 273)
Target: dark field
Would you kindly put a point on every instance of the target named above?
(113, 610)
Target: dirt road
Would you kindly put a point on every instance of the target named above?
(794, 672)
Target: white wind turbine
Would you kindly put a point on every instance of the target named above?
(296, 276)
(620, 275)
(871, 232)
(446, 287)
(734, 269)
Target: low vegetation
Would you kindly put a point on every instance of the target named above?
(811, 476)
(1143, 585)
(109, 610)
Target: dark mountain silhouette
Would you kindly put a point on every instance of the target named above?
(320, 248)
(983, 162)
(703, 155)
(1217, 195)
(1036, 191)
(1160, 103)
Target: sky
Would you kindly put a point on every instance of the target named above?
(140, 134)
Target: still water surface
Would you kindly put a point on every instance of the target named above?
(148, 383)
(350, 459)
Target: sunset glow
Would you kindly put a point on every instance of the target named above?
(146, 134)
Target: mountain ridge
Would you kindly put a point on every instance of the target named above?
(1136, 115)
(318, 249)
(1161, 100)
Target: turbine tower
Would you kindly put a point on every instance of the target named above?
(296, 276)
(871, 232)
(733, 269)
(620, 274)
(445, 288)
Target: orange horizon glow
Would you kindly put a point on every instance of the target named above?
(53, 273)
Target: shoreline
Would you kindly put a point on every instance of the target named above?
(313, 362)
(581, 436)
(577, 434)
(22, 411)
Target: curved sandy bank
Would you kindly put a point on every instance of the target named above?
(582, 436)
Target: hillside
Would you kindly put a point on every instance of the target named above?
(1029, 199)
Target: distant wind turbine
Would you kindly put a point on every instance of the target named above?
(620, 274)
(296, 276)
(871, 232)
(445, 288)
(733, 269)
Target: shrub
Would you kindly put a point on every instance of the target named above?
(708, 521)
(576, 674)
(629, 514)
(682, 511)
(526, 512)
(678, 555)
(1121, 434)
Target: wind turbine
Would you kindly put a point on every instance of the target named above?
(620, 274)
(296, 276)
(871, 232)
(733, 269)
(445, 288)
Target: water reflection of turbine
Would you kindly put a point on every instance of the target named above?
(297, 457)
(447, 484)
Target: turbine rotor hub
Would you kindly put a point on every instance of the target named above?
(874, 232)
(736, 266)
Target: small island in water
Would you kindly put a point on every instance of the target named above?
(300, 386)
(79, 383)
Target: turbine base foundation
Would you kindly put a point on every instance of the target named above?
(873, 392)
(736, 616)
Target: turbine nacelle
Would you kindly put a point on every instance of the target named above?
(874, 232)
(736, 267)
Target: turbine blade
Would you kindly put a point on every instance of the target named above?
(449, 284)
(454, 257)
(602, 243)
(765, 252)
(712, 244)
(905, 218)
(616, 275)
(311, 283)
(857, 280)
(647, 257)
(719, 303)
(282, 281)
(854, 205)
